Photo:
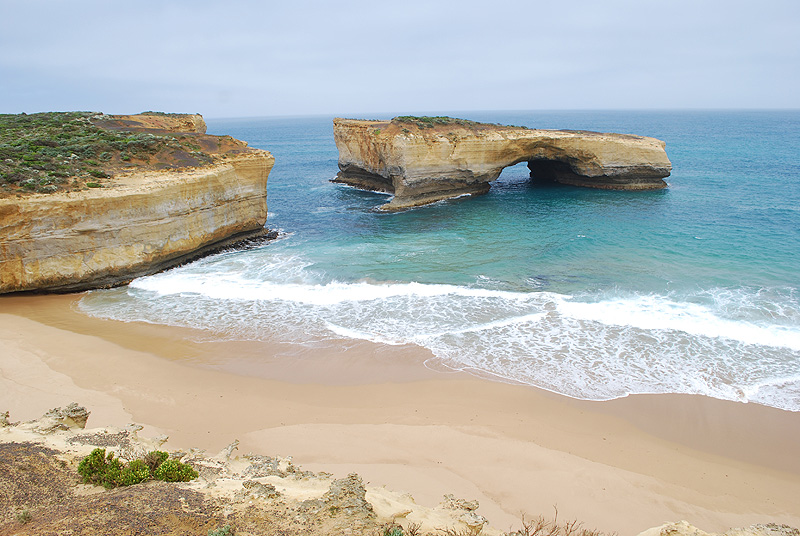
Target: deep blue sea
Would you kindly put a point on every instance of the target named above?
(593, 294)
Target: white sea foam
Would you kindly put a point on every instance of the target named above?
(239, 287)
(658, 313)
(730, 344)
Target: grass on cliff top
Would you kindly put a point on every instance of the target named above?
(61, 151)
(432, 121)
(442, 120)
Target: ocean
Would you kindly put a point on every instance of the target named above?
(589, 293)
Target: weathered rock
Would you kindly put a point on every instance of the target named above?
(71, 417)
(5, 420)
(146, 222)
(348, 495)
(254, 489)
(682, 528)
(456, 157)
(469, 516)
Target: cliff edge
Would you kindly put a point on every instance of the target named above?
(426, 159)
(166, 194)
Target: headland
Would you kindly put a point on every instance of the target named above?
(91, 200)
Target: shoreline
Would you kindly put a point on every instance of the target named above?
(623, 465)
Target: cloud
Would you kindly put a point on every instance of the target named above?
(251, 58)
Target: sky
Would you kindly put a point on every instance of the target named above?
(246, 58)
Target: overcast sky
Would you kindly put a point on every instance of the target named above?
(248, 58)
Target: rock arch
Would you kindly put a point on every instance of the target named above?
(423, 160)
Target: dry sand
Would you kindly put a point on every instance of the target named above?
(623, 466)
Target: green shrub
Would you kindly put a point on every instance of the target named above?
(175, 471)
(104, 470)
(94, 185)
(100, 469)
(23, 517)
(136, 472)
(155, 458)
(225, 530)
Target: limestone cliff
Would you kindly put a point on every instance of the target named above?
(423, 160)
(139, 222)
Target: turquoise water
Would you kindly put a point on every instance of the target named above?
(589, 293)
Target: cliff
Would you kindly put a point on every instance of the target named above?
(423, 160)
(141, 219)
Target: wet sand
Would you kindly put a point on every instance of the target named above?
(392, 415)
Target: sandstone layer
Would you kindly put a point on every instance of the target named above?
(139, 223)
(422, 162)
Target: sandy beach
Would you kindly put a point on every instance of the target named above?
(624, 465)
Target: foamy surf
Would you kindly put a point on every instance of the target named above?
(598, 350)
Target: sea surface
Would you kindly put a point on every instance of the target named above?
(593, 294)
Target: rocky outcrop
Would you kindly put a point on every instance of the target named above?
(423, 160)
(72, 417)
(143, 223)
(682, 528)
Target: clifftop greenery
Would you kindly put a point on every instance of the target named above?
(443, 120)
(62, 151)
(432, 121)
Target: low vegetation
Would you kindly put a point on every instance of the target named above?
(58, 151)
(225, 530)
(105, 470)
(430, 122)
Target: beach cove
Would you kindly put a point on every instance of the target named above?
(623, 466)
(627, 358)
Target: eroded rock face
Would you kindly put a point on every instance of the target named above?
(422, 165)
(143, 224)
(348, 495)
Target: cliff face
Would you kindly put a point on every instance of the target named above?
(141, 223)
(421, 163)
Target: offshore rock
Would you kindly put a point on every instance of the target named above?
(423, 160)
(145, 221)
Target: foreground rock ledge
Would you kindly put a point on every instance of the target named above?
(421, 162)
(146, 221)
